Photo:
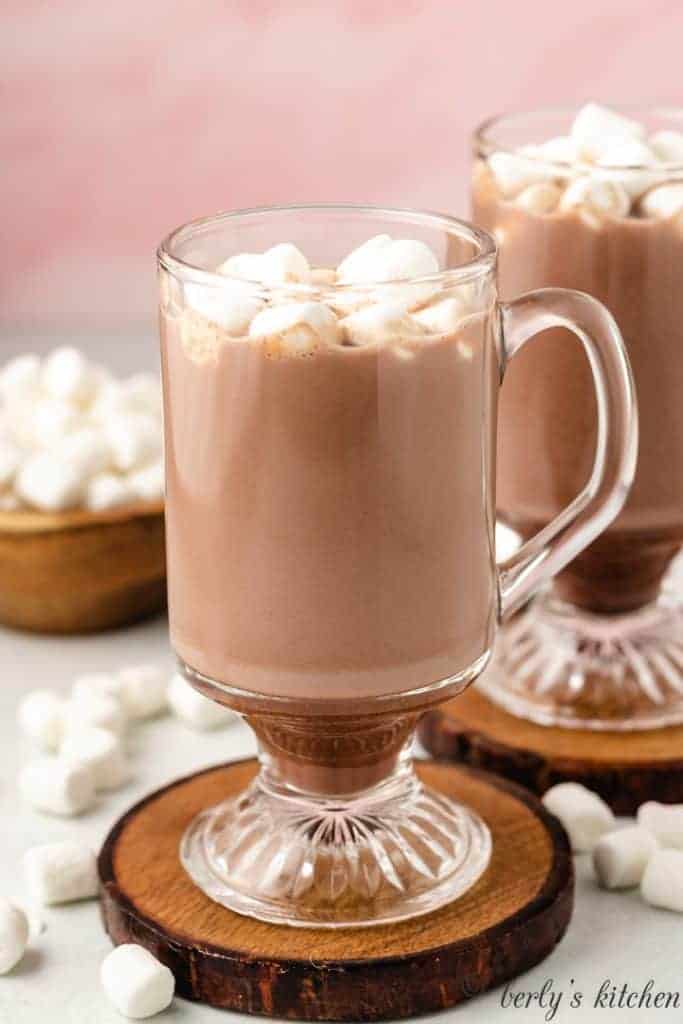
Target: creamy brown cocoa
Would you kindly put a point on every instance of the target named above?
(547, 408)
(330, 515)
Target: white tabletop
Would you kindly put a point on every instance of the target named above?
(613, 938)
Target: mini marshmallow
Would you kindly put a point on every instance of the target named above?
(562, 149)
(594, 124)
(194, 708)
(444, 316)
(14, 932)
(67, 374)
(296, 326)
(86, 450)
(143, 690)
(147, 484)
(380, 261)
(41, 718)
(620, 858)
(96, 684)
(284, 263)
(664, 821)
(232, 306)
(10, 460)
(95, 709)
(629, 154)
(20, 374)
(100, 752)
(134, 439)
(107, 490)
(355, 266)
(142, 393)
(583, 814)
(662, 884)
(53, 786)
(663, 201)
(245, 266)
(60, 872)
(42, 422)
(50, 483)
(667, 145)
(598, 196)
(514, 172)
(381, 322)
(135, 982)
(541, 198)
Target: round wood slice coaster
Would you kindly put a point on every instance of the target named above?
(624, 768)
(509, 921)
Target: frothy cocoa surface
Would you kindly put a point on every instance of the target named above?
(547, 409)
(330, 515)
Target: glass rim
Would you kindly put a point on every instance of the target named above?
(484, 138)
(483, 261)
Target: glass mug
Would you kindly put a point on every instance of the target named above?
(330, 535)
(602, 649)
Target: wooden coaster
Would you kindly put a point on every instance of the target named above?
(624, 768)
(509, 921)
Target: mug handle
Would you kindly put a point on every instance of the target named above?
(601, 500)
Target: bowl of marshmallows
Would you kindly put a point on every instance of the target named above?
(81, 495)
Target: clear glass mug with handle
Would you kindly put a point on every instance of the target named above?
(330, 449)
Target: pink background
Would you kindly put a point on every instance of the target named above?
(121, 120)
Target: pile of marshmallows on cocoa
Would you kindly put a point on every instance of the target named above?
(82, 740)
(648, 854)
(606, 166)
(305, 310)
(74, 436)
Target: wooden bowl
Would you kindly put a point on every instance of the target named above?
(81, 571)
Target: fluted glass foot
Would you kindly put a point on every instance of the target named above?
(385, 854)
(558, 665)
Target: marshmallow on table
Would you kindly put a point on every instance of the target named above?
(620, 857)
(381, 322)
(96, 684)
(142, 690)
(60, 872)
(134, 440)
(14, 932)
(50, 483)
(663, 201)
(667, 145)
(107, 490)
(41, 718)
(137, 984)
(194, 708)
(147, 484)
(296, 327)
(99, 752)
(541, 198)
(594, 124)
(85, 449)
(598, 196)
(662, 884)
(67, 374)
(53, 786)
(664, 821)
(39, 422)
(142, 393)
(583, 814)
(97, 709)
(19, 374)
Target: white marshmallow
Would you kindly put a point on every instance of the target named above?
(562, 149)
(662, 884)
(541, 198)
(135, 982)
(36, 421)
(147, 484)
(664, 821)
(143, 690)
(41, 718)
(245, 266)
(583, 814)
(100, 752)
(135, 440)
(96, 684)
(48, 482)
(357, 265)
(19, 374)
(297, 326)
(143, 393)
(14, 932)
(60, 872)
(444, 316)
(194, 708)
(11, 457)
(514, 172)
(67, 374)
(620, 857)
(629, 154)
(86, 449)
(380, 262)
(667, 145)
(663, 201)
(381, 322)
(107, 490)
(53, 786)
(96, 709)
(594, 124)
(232, 306)
(605, 198)
(284, 263)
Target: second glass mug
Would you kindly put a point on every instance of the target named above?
(330, 535)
